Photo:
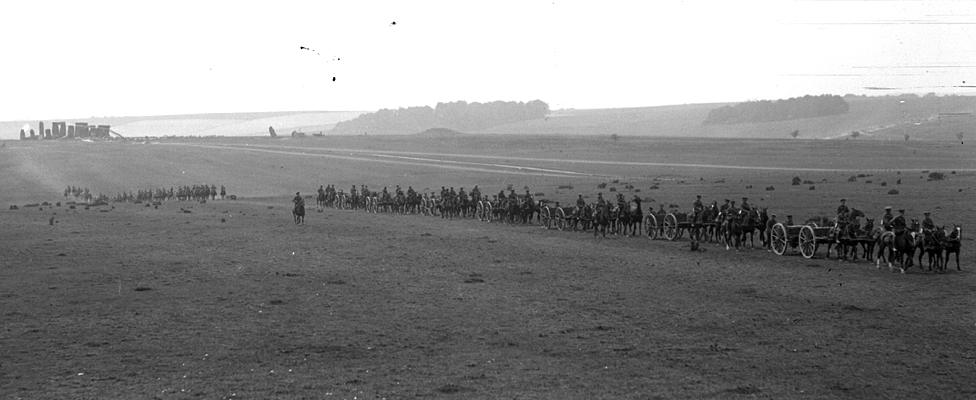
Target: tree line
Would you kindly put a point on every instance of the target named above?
(459, 116)
(778, 110)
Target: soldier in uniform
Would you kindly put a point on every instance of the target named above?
(842, 211)
(475, 194)
(697, 206)
(732, 209)
(599, 200)
(789, 220)
(724, 207)
(745, 204)
(927, 224)
(580, 203)
(886, 219)
(298, 200)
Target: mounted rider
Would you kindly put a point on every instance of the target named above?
(927, 224)
(580, 203)
(385, 195)
(697, 206)
(843, 212)
(745, 205)
(725, 207)
(475, 194)
(886, 219)
(298, 200)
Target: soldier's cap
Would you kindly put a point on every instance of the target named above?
(888, 208)
(926, 213)
(773, 215)
(789, 216)
(699, 196)
(745, 198)
(843, 200)
(296, 193)
(901, 210)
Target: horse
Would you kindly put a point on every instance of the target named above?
(904, 246)
(761, 227)
(299, 212)
(636, 217)
(601, 218)
(952, 245)
(732, 226)
(748, 226)
(932, 243)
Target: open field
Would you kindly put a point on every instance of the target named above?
(231, 300)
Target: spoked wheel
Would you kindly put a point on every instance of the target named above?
(671, 231)
(545, 218)
(808, 242)
(488, 212)
(778, 239)
(650, 226)
(481, 211)
(560, 219)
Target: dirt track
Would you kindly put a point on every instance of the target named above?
(232, 300)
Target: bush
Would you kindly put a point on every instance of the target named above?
(615, 181)
(852, 179)
(812, 188)
(807, 182)
(868, 181)
(936, 176)
(653, 187)
(884, 183)
(613, 189)
(602, 185)
(770, 188)
(539, 194)
(796, 180)
(893, 191)
(570, 187)
(636, 190)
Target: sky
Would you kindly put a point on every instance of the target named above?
(74, 59)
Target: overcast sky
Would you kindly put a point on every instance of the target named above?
(65, 59)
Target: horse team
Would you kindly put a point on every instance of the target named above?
(726, 224)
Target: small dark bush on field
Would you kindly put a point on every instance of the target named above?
(936, 176)
(748, 186)
(613, 189)
(863, 175)
(884, 183)
(953, 172)
(868, 181)
(636, 190)
(720, 181)
(615, 181)
(602, 185)
(570, 187)
(852, 179)
(925, 172)
(539, 194)
(770, 188)
(813, 188)
(653, 187)
(893, 191)
(797, 181)
(807, 182)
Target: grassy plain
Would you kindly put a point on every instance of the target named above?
(231, 300)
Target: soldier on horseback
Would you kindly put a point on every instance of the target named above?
(886, 219)
(927, 224)
(725, 207)
(745, 205)
(475, 194)
(843, 212)
(698, 206)
(580, 203)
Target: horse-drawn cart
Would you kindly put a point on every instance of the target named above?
(675, 225)
(807, 237)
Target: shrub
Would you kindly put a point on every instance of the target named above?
(884, 183)
(893, 191)
(601, 185)
(539, 194)
(936, 176)
(852, 179)
(868, 181)
(812, 188)
(770, 188)
(796, 180)
(807, 182)
(615, 181)
(613, 189)
(570, 187)
(653, 187)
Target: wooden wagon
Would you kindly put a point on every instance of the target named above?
(805, 237)
(676, 224)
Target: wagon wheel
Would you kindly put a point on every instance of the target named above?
(560, 219)
(808, 241)
(481, 211)
(650, 226)
(545, 218)
(489, 212)
(671, 230)
(778, 239)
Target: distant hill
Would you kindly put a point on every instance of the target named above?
(459, 115)
(885, 117)
(778, 110)
(222, 124)
(438, 132)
